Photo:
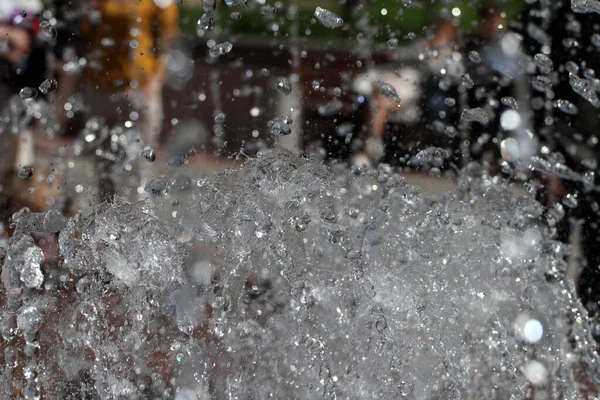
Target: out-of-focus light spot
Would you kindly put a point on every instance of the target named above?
(533, 331)
(384, 11)
(128, 124)
(361, 99)
(510, 120)
(254, 111)
(456, 12)
(71, 164)
(536, 373)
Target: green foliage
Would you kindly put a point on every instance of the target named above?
(391, 17)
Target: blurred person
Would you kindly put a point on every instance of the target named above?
(22, 64)
(418, 92)
(128, 46)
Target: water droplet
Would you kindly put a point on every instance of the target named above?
(29, 267)
(149, 154)
(280, 126)
(431, 155)
(387, 90)
(48, 86)
(328, 18)
(474, 57)
(467, 81)
(406, 388)
(450, 101)
(570, 201)
(572, 67)
(477, 114)
(543, 62)
(566, 106)
(509, 149)
(392, 43)
(236, 3)
(510, 102)
(585, 6)
(114, 235)
(585, 88)
(48, 29)
(25, 172)
(205, 23)
(219, 117)
(283, 84)
(220, 49)
(541, 83)
(28, 93)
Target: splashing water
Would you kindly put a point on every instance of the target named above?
(289, 278)
(324, 284)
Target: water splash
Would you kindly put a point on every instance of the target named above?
(324, 283)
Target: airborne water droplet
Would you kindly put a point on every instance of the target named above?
(477, 114)
(572, 67)
(387, 90)
(541, 83)
(570, 201)
(328, 19)
(280, 126)
(283, 84)
(566, 106)
(509, 149)
(467, 81)
(149, 154)
(28, 93)
(48, 29)
(543, 62)
(205, 23)
(25, 172)
(48, 86)
(474, 57)
(235, 3)
(585, 88)
(450, 101)
(510, 102)
(220, 49)
(585, 6)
